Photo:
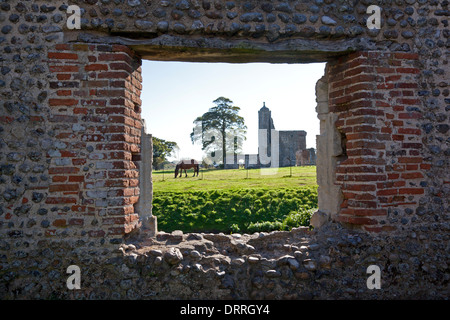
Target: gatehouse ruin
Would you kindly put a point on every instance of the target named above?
(276, 148)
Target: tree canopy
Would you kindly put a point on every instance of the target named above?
(220, 131)
(161, 150)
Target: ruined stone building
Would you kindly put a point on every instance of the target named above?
(278, 148)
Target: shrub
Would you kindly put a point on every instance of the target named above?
(235, 228)
(297, 218)
(237, 210)
(264, 226)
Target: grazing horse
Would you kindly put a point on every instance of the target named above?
(185, 164)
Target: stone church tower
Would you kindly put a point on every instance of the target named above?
(286, 143)
(265, 122)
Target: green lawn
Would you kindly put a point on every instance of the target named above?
(268, 178)
(235, 200)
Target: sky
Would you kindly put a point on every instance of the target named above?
(174, 94)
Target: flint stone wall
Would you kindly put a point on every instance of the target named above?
(327, 264)
(70, 131)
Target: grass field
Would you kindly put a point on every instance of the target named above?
(235, 200)
(268, 178)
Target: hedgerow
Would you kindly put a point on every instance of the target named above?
(232, 211)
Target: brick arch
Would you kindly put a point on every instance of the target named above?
(93, 86)
(102, 84)
(367, 93)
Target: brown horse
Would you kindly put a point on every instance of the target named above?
(185, 164)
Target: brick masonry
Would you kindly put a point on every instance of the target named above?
(70, 148)
(95, 170)
(373, 94)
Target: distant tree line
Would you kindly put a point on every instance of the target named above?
(162, 149)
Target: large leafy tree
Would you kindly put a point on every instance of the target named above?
(161, 150)
(221, 130)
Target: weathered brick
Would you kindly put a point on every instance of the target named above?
(63, 187)
(96, 67)
(63, 102)
(64, 68)
(113, 75)
(411, 191)
(60, 223)
(407, 70)
(355, 220)
(412, 175)
(63, 55)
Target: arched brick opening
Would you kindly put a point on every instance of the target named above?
(101, 83)
(94, 107)
(357, 116)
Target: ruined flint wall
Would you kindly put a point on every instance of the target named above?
(70, 145)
